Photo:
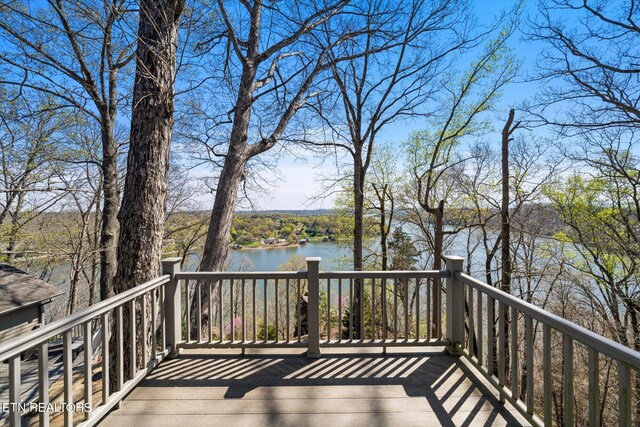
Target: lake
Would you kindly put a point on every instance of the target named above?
(335, 256)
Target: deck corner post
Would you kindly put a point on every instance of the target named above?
(173, 311)
(454, 305)
(313, 283)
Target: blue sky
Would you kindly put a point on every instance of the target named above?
(300, 180)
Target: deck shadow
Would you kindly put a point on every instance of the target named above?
(449, 387)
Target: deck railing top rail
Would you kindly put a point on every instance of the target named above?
(239, 275)
(394, 274)
(601, 344)
(338, 274)
(38, 336)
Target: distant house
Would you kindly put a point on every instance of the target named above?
(22, 301)
(269, 241)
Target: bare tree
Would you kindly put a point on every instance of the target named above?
(78, 53)
(505, 228)
(590, 74)
(272, 64)
(30, 133)
(431, 155)
(415, 43)
(381, 194)
(590, 70)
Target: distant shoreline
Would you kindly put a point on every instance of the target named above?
(293, 245)
(244, 248)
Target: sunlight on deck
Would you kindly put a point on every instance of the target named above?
(214, 387)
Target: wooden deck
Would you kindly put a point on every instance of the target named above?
(215, 387)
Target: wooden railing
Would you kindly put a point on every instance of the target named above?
(314, 309)
(265, 309)
(108, 315)
(495, 329)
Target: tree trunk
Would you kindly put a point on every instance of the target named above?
(505, 231)
(15, 228)
(95, 237)
(384, 232)
(143, 204)
(109, 229)
(216, 246)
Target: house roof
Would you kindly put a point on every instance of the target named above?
(19, 289)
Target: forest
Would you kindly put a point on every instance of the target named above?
(130, 130)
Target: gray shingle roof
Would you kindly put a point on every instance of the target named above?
(20, 289)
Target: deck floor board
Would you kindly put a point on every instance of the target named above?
(213, 387)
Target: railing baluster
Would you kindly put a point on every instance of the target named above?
(145, 333)
(132, 337)
(163, 323)
(15, 392)
(361, 307)
(328, 310)
(244, 312)
(490, 335)
(395, 309)
(288, 311)
(514, 352)
(567, 368)
(417, 309)
(154, 323)
(428, 322)
(528, 326)
(406, 310)
(594, 388)
(373, 309)
(624, 395)
(43, 382)
(220, 309)
(120, 345)
(255, 313)
(471, 323)
(232, 326)
(277, 299)
(299, 309)
(383, 299)
(88, 369)
(546, 373)
(480, 333)
(350, 309)
(199, 312)
(502, 346)
(266, 318)
(210, 304)
(187, 312)
(438, 308)
(105, 356)
(339, 310)
(67, 363)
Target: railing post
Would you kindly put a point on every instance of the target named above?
(313, 283)
(455, 305)
(172, 308)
